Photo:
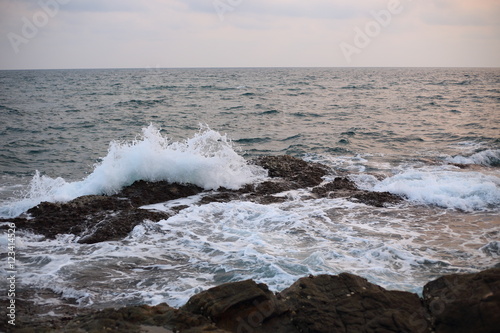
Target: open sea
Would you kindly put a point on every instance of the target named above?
(431, 135)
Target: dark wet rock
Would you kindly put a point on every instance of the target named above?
(377, 199)
(300, 172)
(465, 302)
(142, 192)
(92, 218)
(236, 306)
(323, 303)
(349, 303)
(97, 218)
(343, 187)
(338, 184)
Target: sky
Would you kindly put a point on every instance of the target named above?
(50, 34)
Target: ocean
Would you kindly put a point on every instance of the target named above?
(431, 135)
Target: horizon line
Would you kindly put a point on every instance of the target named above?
(239, 67)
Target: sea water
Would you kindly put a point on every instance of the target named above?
(429, 135)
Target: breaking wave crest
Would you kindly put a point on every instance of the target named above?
(208, 159)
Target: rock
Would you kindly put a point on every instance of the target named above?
(349, 303)
(235, 306)
(465, 302)
(300, 172)
(323, 303)
(93, 218)
(338, 184)
(97, 218)
(377, 199)
(132, 319)
(142, 192)
(343, 187)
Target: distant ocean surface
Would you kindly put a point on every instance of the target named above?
(431, 135)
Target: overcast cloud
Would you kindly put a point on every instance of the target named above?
(248, 33)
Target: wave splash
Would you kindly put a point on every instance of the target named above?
(489, 157)
(208, 160)
(467, 191)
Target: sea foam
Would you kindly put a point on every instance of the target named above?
(489, 157)
(467, 191)
(208, 159)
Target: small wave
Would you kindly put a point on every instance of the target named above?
(252, 140)
(492, 249)
(139, 102)
(306, 114)
(489, 157)
(293, 137)
(238, 107)
(269, 112)
(361, 87)
(7, 110)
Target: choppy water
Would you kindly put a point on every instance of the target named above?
(398, 130)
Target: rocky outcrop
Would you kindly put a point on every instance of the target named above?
(299, 172)
(324, 303)
(97, 218)
(349, 303)
(462, 303)
(343, 187)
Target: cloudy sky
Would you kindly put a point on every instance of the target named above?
(248, 33)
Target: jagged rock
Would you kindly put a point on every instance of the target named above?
(142, 192)
(349, 303)
(344, 187)
(323, 303)
(300, 172)
(97, 218)
(235, 306)
(462, 303)
(136, 318)
(338, 184)
(377, 199)
(94, 218)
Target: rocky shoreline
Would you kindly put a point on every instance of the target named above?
(324, 303)
(98, 218)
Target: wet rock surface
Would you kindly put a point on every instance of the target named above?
(295, 170)
(462, 303)
(98, 218)
(344, 187)
(323, 303)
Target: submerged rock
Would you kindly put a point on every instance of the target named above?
(324, 303)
